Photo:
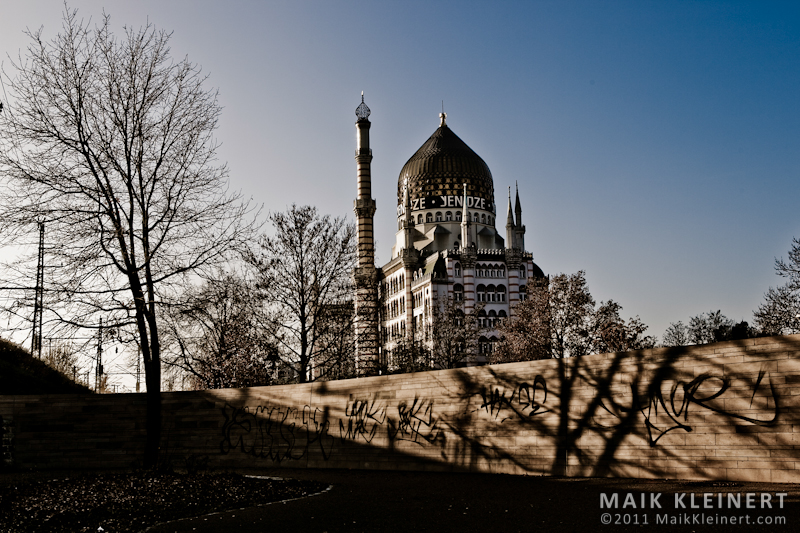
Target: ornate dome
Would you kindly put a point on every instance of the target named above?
(441, 166)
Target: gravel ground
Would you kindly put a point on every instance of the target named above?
(132, 501)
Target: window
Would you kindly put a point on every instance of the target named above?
(501, 293)
(458, 216)
(492, 319)
(448, 216)
(490, 295)
(522, 272)
(429, 217)
(481, 293)
(483, 219)
(458, 292)
(458, 266)
(475, 218)
(419, 219)
(438, 216)
(523, 293)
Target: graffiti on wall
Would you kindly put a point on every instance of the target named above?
(523, 401)
(663, 413)
(281, 433)
(277, 433)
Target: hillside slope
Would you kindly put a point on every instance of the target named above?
(21, 373)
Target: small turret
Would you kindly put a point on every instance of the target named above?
(519, 230)
(510, 236)
(465, 223)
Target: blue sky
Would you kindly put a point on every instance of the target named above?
(655, 143)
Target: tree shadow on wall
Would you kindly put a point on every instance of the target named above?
(668, 412)
(646, 413)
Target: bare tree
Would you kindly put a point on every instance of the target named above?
(109, 141)
(614, 334)
(779, 314)
(304, 275)
(454, 334)
(559, 319)
(527, 335)
(708, 327)
(677, 334)
(217, 335)
(62, 357)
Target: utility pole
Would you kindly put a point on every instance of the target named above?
(38, 301)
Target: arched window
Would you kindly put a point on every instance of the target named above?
(429, 217)
(483, 219)
(448, 216)
(458, 267)
(483, 345)
(492, 343)
(522, 272)
(438, 216)
(523, 293)
(502, 271)
(492, 319)
(458, 216)
(501, 293)
(501, 316)
(482, 319)
(490, 295)
(419, 219)
(481, 293)
(458, 292)
(458, 317)
(475, 218)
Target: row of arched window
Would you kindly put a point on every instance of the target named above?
(491, 319)
(488, 271)
(448, 216)
(395, 307)
(395, 331)
(491, 293)
(395, 283)
(491, 271)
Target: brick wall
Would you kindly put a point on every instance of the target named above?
(722, 411)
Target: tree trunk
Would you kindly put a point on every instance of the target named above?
(153, 424)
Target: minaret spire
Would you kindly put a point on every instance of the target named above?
(365, 274)
(465, 240)
(519, 229)
(510, 237)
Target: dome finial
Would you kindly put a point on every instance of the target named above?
(442, 117)
(362, 111)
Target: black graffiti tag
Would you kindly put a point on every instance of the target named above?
(274, 433)
(415, 422)
(522, 401)
(675, 410)
(363, 419)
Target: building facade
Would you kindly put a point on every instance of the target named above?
(447, 249)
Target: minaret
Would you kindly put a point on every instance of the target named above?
(519, 230)
(510, 237)
(365, 274)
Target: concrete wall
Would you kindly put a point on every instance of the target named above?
(722, 411)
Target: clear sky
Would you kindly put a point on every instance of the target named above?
(655, 143)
